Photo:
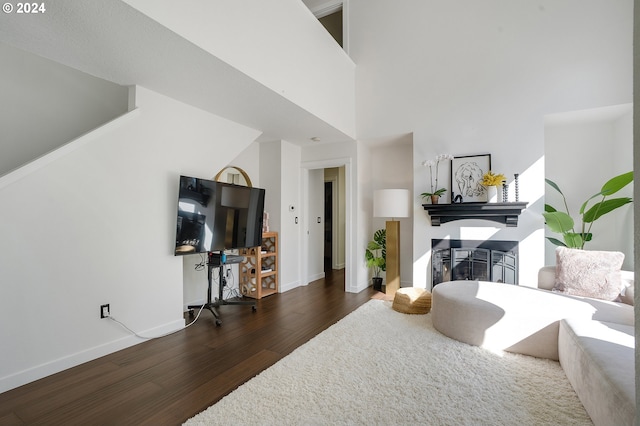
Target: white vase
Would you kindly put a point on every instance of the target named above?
(494, 195)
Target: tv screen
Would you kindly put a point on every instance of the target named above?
(217, 216)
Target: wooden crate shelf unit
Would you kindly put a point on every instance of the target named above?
(259, 270)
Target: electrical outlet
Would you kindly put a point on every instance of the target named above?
(104, 311)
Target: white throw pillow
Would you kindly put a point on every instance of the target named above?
(588, 273)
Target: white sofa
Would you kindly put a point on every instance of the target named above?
(586, 335)
(598, 359)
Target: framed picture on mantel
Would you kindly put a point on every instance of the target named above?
(466, 175)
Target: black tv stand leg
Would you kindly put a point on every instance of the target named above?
(215, 314)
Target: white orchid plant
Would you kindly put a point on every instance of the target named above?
(435, 164)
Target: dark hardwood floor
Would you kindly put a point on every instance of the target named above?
(168, 380)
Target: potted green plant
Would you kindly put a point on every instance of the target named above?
(436, 192)
(376, 257)
(563, 223)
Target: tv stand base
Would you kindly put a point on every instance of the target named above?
(214, 261)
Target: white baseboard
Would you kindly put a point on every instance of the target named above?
(289, 286)
(315, 277)
(356, 287)
(43, 370)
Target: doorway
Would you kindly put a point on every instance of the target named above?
(334, 218)
(331, 252)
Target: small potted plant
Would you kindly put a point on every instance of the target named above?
(436, 192)
(375, 255)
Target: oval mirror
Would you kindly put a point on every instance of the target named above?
(233, 175)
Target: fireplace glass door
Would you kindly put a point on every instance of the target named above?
(470, 264)
(504, 267)
(489, 263)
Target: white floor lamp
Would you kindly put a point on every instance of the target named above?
(392, 203)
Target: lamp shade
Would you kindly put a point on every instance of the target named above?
(391, 203)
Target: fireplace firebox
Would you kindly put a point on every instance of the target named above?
(490, 260)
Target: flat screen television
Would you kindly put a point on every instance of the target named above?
(217, 216)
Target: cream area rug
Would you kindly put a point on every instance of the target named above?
(378, 366)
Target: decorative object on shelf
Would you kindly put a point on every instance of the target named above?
(233, 174)
(505, 192)
(436, 192)
(494, 184)
(493, 194)
(466, 178)
(563, 223)
(516, 176)
(392, 203)
(375, 256)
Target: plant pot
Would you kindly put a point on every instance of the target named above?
(377, 283)
(434, 199)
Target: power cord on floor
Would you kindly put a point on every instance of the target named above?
(161, 335)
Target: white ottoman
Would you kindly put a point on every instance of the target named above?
(514, 318)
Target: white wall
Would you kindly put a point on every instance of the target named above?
(623, 219)
(363, 205)
(291, 232)
(270, 176)
(280, 176)
(249, 161)
(470, 77)
(98, 226)
(583, 150)
(392, 167)
(45, 105)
